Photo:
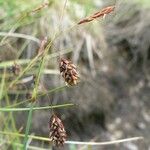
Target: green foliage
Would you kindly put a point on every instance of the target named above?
(16, 16)
(143, 2)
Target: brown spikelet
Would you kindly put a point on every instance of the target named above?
(101, 13)
(42, 46)
(68, 72)
(57, 133)
(16, 68)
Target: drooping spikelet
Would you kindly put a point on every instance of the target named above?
(68, 71)
(101, 13)
(57, 131)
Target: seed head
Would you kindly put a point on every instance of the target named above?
(57, 131)
(68, 71)
(101, 13)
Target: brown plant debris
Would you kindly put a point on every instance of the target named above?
(57, 131)
(101, 13)
(68, 71)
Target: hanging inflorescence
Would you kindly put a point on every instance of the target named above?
(101, 13)
(68, 71)
(57, 133)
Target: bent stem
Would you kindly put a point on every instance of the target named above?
(78, 142)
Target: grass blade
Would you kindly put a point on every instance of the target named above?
(28, 127)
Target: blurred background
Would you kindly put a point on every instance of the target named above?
(111, 54)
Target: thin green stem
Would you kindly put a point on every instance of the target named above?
(28, 127)
(48, 92)
(35, 108)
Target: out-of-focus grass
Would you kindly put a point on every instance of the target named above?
(15, 7)
(14, 16)
(145, 3)
(13, 10)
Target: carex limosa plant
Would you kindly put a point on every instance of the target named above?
(69, 73)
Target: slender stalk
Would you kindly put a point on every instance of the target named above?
(50, 91)
(105, 143)
(35, 108)
(78, 142)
